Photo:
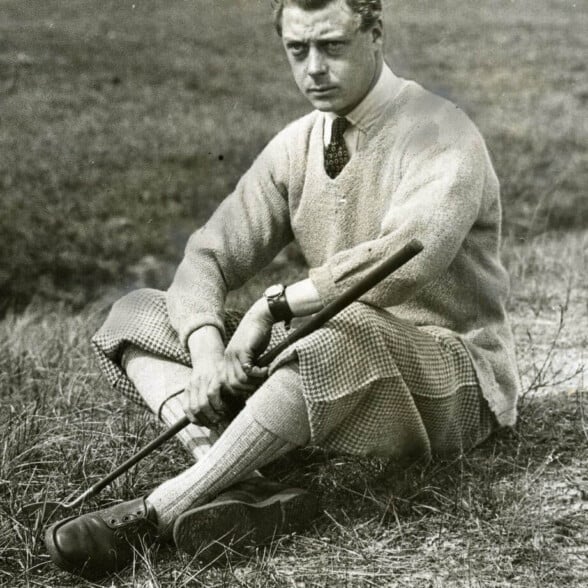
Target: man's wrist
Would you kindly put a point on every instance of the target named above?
(261, 310)
(206, 340)
(303, 298)
(277, 303)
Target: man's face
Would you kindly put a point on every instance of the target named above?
(334, 63)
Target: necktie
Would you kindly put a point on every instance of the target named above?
(336, 154)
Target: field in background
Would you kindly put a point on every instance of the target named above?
(123, 124)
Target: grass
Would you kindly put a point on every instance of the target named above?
(124, 124)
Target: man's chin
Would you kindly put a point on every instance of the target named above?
(330, 105)
(325, 105)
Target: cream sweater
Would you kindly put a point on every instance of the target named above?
(423, 172)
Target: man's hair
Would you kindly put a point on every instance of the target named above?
(369, 10)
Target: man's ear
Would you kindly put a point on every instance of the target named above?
(378, 32)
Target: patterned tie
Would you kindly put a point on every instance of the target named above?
(336, 154)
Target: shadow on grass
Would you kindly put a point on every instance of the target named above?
(550, 429)
(514, 507)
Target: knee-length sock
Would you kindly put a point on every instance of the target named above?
(157, 380)
(242, 448)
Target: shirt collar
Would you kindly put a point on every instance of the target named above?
(365, 114)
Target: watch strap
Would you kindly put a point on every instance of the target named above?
(278, 305)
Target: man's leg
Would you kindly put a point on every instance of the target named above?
(273, 422)
(377, 385)
(255, 512)
(158, 381)
(268, 427)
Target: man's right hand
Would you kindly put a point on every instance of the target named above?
(213, 379)
(202, 400)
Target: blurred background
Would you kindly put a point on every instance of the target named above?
(124, 123)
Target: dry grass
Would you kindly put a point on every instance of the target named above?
(511, 513)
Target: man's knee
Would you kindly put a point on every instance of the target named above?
(142, 301)
(279, 405)
(364, 320)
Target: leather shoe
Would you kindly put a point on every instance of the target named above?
(101, 542)
(249, 513)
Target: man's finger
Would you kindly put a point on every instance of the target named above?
(188, 402)
(236, 380)
(193, 412)
(235, 373)
(216, 404)
(237, 388)
(211, 401)
(254, 371)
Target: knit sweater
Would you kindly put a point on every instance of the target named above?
(424, 172)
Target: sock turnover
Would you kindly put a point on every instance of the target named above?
(158, 380)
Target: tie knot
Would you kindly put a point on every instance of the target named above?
(340, 125)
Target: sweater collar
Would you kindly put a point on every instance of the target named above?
(367, 112)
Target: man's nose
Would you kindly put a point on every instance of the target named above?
(316, 63)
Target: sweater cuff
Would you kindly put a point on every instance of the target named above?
(195, 322)
(323, 281)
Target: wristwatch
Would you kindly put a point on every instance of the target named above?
(277, 303)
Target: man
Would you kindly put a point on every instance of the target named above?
(423, 365)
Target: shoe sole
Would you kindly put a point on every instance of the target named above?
(211, 531)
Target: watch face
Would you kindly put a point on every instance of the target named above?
(274, 290)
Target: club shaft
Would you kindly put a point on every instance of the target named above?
(129, 463)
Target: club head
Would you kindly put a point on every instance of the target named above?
(46, 509)
(43, 510)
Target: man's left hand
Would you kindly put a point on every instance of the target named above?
(247, 343)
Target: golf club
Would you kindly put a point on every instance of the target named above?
(376, 275)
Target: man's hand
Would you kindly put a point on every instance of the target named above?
(202, 401)
(248, 342)
(219, 373)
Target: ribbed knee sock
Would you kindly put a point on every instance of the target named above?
(157, 380)
(244, 446)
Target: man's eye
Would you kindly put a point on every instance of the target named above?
(335, 47)
(297, 49)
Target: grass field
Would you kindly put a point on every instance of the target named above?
(123, 124)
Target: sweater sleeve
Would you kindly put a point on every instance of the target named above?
(242, 236)
(437, 201)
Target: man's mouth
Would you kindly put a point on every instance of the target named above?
(321, 90)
